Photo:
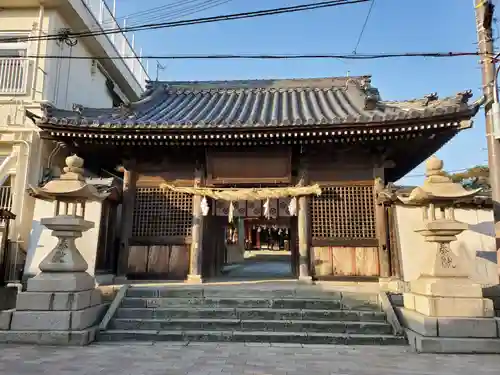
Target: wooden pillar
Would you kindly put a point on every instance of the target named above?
(381, 225)
(129, 187)
(195, 256)
(303, 226)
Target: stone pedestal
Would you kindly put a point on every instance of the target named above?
(444, 288)
(61, 305)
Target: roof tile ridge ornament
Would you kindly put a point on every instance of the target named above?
(432, 97)
(372, 95)
(149, 95)
(126, 109)
(47, 111)
(462, 98)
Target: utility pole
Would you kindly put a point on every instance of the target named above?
(484, 19)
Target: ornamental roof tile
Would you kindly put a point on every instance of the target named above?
(259, 103)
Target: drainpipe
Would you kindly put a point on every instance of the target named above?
(23, 181)
(41, 14)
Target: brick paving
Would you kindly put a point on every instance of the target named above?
(238, 359)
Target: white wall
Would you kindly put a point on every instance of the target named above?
(42, 241)
(60, 82)
(73, 81)
(476, 245)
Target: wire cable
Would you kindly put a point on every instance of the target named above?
(360, 37)
(193, 9)
(196, 21)
(270, 57)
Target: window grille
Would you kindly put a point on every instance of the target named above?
(162, 213)
(13, 64)
(343, 212)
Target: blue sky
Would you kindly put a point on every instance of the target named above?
(394, 26)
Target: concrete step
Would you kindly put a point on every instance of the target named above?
(251, 325)
(249, 314)
(254, 336)
(246, 292)
(275, 303)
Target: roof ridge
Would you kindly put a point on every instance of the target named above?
(319, 82)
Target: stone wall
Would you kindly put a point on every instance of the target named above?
(477, 243)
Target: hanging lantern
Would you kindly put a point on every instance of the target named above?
(292, 207)
(231, 212)
(205, 208)
(267, 209)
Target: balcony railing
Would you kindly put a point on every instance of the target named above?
(107, 21)
(5, 197)
(13, 75)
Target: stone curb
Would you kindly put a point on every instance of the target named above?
(113, 307)
(390, 313)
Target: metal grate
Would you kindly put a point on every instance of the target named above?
(161, 213)
(343, 212)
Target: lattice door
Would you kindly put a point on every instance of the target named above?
(162, 213)
(343, 212)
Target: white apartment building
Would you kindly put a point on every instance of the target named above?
(29, 80)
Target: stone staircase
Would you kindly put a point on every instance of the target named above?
(303, 315)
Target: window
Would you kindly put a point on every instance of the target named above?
(343, 213)
(6, 194)
(13, 63)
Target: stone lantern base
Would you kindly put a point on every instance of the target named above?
(46, 315)
(449, 297)
(446, 312)
(61, 305)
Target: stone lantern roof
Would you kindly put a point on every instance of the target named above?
(71, 185)
(438, 186)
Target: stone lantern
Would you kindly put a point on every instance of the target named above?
(443, 288)
(61, 303)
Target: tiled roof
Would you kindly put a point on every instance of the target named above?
(260, 103)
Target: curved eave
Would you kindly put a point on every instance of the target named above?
(347, 124)
(79, 194)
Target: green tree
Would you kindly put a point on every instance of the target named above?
(473, 178)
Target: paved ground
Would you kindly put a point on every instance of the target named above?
(261, 264)
(237, 359)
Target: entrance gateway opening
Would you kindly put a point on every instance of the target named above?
(260, 236)
(259, 248)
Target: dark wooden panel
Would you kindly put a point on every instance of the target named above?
(179, 261)
(137, 259)
(178, 170)
(247, 167)
(179, 178)
(363, 242)
(160, 240)
(337, 167)
(337, 175)
(158, 259)
(167, 262)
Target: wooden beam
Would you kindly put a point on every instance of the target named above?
(304, 225)
(195, 257)
(129, 190)
(381, 224)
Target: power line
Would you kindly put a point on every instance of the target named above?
(180, 12)
(364, 26)
(196, 21)
(268, 57)
(157, 9)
